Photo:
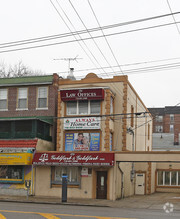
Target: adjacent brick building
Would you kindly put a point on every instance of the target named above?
(166, 128)
(28, 108)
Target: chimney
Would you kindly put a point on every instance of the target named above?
(71, 75)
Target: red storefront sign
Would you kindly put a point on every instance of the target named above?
(82, 94)
(73, 159)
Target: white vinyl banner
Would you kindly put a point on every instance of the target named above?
(82, 123)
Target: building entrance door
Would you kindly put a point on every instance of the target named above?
(101, 186)
(140, 184)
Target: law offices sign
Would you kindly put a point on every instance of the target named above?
(82, 123)
(73, 159)
(82, 94)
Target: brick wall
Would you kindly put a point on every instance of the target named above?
(32, 98)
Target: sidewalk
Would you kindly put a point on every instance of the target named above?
(155, 201)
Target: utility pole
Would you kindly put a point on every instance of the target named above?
(69, 61)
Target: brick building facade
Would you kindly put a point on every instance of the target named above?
(166, 127)
(28, 108)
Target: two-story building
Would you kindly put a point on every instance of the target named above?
(28, 107)
(96, 119)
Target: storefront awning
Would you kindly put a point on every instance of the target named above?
(16, 158)
(18, 143)
(73, 159)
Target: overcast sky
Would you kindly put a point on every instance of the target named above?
(150, 56)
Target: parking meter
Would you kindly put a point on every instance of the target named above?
(28, 185)
(64, 188)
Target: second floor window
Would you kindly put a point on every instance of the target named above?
(42, 97)
(159, 128)
(22, 98)
(171, 117)
(171, 128)
(3, 99)
(159, 118)
(83, 107)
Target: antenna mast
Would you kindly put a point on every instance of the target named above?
(69, 61)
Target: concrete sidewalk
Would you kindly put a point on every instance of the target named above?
(155, 201)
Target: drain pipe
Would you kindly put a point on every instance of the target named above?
(122, 181)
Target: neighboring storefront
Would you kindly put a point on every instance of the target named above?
(15, 169)
(89, 174)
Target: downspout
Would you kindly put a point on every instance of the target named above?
(122, 181)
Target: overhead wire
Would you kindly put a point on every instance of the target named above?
(122, 65)
(87, 38)
(50, 37)
(75, 36)
(173, 17)
(90, 5)
(90, 35)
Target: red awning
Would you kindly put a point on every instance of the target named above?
(74, 159)
(18, 143)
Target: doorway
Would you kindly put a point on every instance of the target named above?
(140, 184)
(101, 186)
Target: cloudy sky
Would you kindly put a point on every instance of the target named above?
(140, 38)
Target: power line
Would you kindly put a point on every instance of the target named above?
(104, 36)
(90, 35)
(84, 31)
(75, 35)
(123, 65)
(173, 17)
(87, 38)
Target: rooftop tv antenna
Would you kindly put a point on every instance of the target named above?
(69, 61)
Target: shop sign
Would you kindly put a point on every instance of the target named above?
(16, 159)
(82, 94)
(84, 172)
(82, 141)
(73, 159)
(82, 123)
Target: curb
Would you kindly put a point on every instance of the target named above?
(53, 203)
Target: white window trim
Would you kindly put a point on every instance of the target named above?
(22, 109)
(42, 108)
(77, 109)
(170, 177)
(5, 109)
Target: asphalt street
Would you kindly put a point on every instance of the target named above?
(11, 210)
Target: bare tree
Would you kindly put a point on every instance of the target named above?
(17, 70)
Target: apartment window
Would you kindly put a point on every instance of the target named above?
(83, 107)
(171, 117)
(22, 98)
(159, 118)
(73, 175)
(42, 97)
(171, 128)
(3, 99)
(168, 178)
(159, 128)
